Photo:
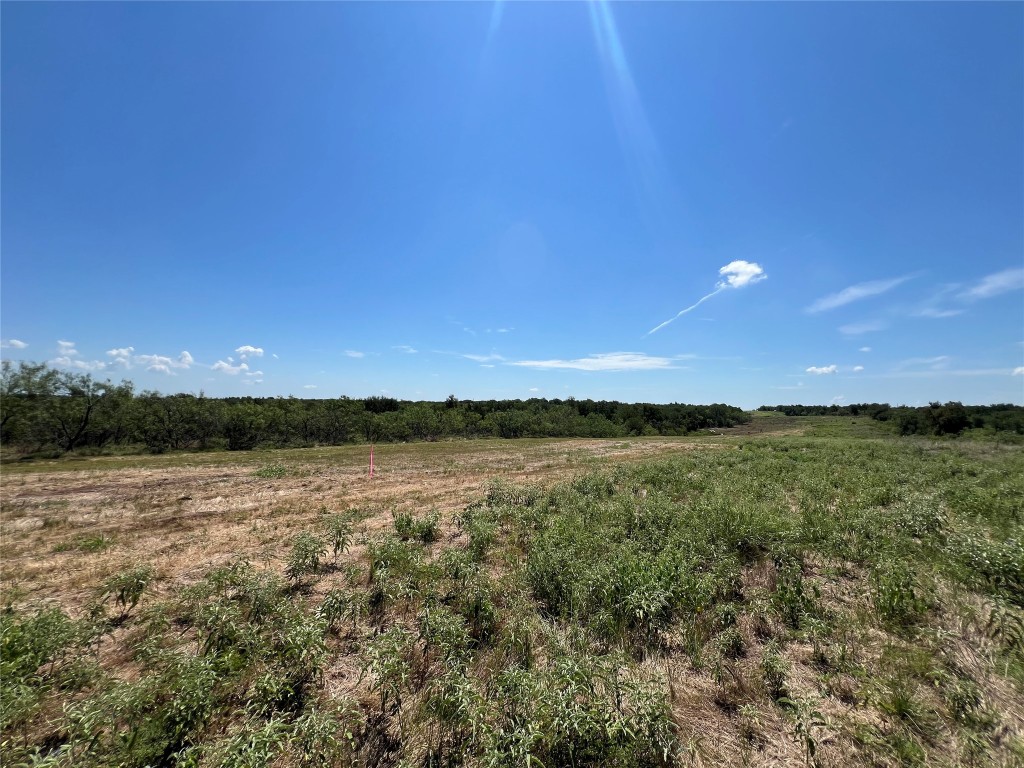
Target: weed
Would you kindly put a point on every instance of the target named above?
(731, 644)
(897, 594)
(127, 587)
(304, 559)
(339, 533)
(775, 671)
(807, 721)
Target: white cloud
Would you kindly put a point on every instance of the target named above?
(856, 293)
(246, 351)
(405, 348)
(66, 349)
(737, 274)
(483, 358)
(1018, 371)
(505, 330)
(125, 357)
(610, 361)
(995, 284)
(13, 344)
(837, 399)
(275, 356)
(740, 273)
(825, 369)
(354, 353)
(535, 389)
(855, 329)
(83, 365)
(865, 349)
(309, 386)
(151, 360)
(254, 373)
(858, 368)
(230, 370)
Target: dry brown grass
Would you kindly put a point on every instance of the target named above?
(187, 514)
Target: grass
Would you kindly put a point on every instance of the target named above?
(832, 598)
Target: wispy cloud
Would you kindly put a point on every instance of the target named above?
(937, 363)
(13, 344)
(823, 370)
(995, 284)
(309, 386)
(405, 348)
(858, 368)
(936, 313)
(483, 358)
(1018, 371)
(945, 372)
(610, 361)
(735, 274)
(856, 329)
(856, 293)
(354, 353)
(865, 349)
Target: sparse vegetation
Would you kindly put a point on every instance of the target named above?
(824, 601)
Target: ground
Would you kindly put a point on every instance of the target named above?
(793, 591)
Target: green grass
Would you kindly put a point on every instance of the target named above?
(854, 599)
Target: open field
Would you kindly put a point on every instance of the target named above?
(184, 513)
(797, 591)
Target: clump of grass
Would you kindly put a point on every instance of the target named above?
(88, 544)
(897, 595)
(271, 472)
(424, 529)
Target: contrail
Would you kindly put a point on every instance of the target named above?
(735, 274)
(683, 312)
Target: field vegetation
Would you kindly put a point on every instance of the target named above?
(801, 591)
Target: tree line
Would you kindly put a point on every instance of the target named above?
(44, 410)
(952, 418)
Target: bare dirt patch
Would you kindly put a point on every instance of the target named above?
(187, 514)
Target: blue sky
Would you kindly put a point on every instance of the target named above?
(505, 200)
